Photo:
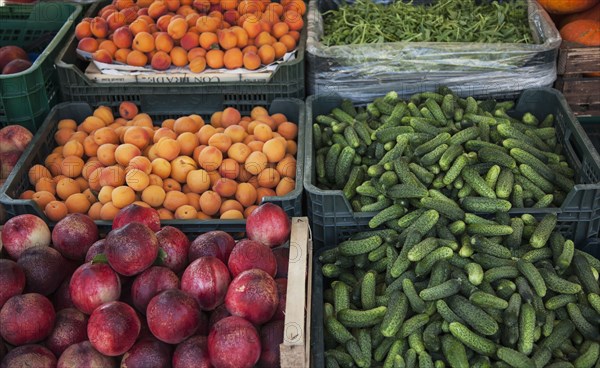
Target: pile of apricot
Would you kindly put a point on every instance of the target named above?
(185, 168)
(198, 34)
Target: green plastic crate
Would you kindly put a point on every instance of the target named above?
(154, 98)
(43, 143)
(26, 97)
(331, 215)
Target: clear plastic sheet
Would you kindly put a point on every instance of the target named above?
(363, 72)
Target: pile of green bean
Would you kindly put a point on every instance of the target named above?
(364, 21)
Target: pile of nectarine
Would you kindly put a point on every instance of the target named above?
(13, 59)
(184, 168)
(195, 33)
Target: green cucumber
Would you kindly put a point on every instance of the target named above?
(331, 161)
(485, 300)
(338, 330)
(588, 357)
(395, 314)
(393, 212)
(584, 274)
(514, 358)
(472, 340)
(344, 165)
(476, 317)
(501, 272)
(526, 329)
(412, 324)
(532, 275)
(588, 330)
(558, 284)
(367, 290)
(472, 177)
(362, 246)
(441, 291)
(497, 157)
(424, 266)
(361, 318)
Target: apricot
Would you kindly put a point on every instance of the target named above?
(106, 154)
(171, 185)
(185, 124)
(154, 195)
(179, 56)
(210, 158)
(288, 41)
(165, 214)
(266, 53)
(221, 141)
(256, 162)
(189, 40)
(83, 30)
(229, 168)
(208, 24)
(93, 212)
(105, 194)
(227, 39)
(261, 193)
(71, 166)
(257, 112)
(102, 56)
(251, 60)
(161, 168)
(285, 186)
(268, 178)
(214, 177)
(109, 46)
(137, 26)
(181, 166)
(122, 196)
(274, 149)
(280, 50)
(198, 64)
(78, 203)
(56, 210)
(137, 136)
(188, 142)
(243, 175)
(163, 42)
(175, 199)
(116, 20)
(157, 9)
(137, 58)
(163, 133)
(125, 152)
(99, 27)
(43, 197)
(233, 58)
(36, 172)
(225, 187)
(143, 120)
(177, 28)
(195, 53)
(245, 194)
(128, 110)
(230, 116)
(214, 58)
(262, 132)
(210, 202)
(155, 180)
(205, 133)
(291, 147)
(94, 178)
(239, 152)
(111, 175)
(88, 44)
(287, 167)
(252, 26)
(215, 119)
(167, 148)
(108, 211)
(67, 186)
(231, 205)
(89, 167)
(160, 61)
(232, 215)
(143, 42)
(236, 132)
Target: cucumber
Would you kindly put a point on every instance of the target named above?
(441, 291)
(341, 294)
(357, 176)
(561, 332)
(485, 300)
(474, 316)
(362, 246)
(558, 284)
(505, 288)
(514, 358)
(501, 272)
(432, 144)
(464, 135)
(526, 329)
(415, 341)
(351, 318)
(594, 300)
(588, 357)
(489, 229)
(394, 350)
(454, 352)
(511, 313)
(455, 169)
(491, 178)
(497, 157)
(416, 303)
(484, 245)
(472, 340)
(338, 330)
(588, 330)
(367, 291)
(424, 266)
(584, 274)
(395, 314)
(344, 165)
(424, 175)
(393, 212)
(508, 131)
(331, 161)
(356, 353)
(399, 191)
(351, 137)
(475, 273)
(525, 157)
(425, 360)
(447, 208)
(422, 249)
(532, 275)
(485, 205)
(472, 177)
(453, 151)
(434, 156)
(530, 173)
(566, 255)
(425, 222)
(413, 324)
(543, 231)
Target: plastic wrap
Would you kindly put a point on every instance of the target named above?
(363, 72)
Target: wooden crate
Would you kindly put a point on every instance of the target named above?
(295, 350)
(582, 92)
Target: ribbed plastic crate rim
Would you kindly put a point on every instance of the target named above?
(18, 180)
(581, 205)
(20, 19)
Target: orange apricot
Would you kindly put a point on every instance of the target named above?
(137, 179)
(36, 172)
(125, 152)
(161, 167)
(78, 203)
(122, 196)
(274, 149)
(170, 184)
(214, 58)
(105, 194)
(168, 149)
(210, 158)
(221, 141)
(56, 210)
(65, 187)
(179, 56)
(181, 166)
(233, 58)
(154, 195)
(42, 198)
(175, 199)
(245, 194)
(256, 162)
(210, 202)
(72, 166)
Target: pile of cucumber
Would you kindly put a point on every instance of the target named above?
(390, 153)
(506, 293)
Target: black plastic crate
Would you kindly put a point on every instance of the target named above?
(591, 125)
(319, 283)
(156, 98)
(43, 143)
(332, 217)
